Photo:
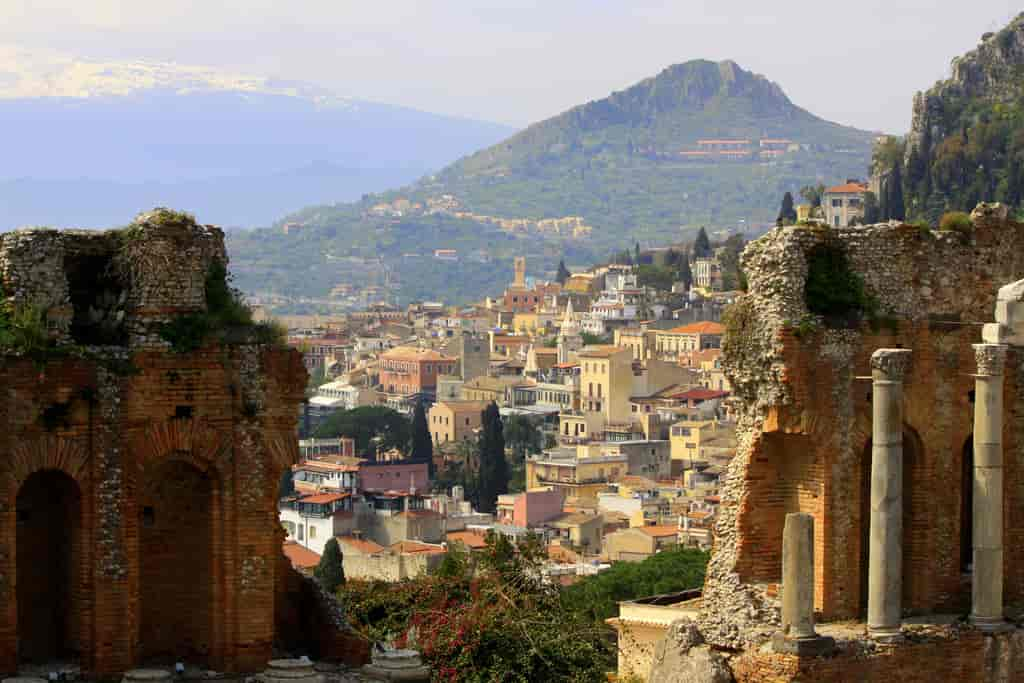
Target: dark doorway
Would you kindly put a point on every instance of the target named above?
(967, 507)
(97, 299)
(911, 458)
(175, 547)
(49, 546)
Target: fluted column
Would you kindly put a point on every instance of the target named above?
(987, 582)
(885, 559)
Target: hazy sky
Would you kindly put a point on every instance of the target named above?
(516, 62)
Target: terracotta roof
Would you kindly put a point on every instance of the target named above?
(661, 531)
(365, 546)
(705, 327)
(411, 547)
(471, 540)
(324, 498)
(848, 188)
(301, 558)
(413, 354)
(700, 394)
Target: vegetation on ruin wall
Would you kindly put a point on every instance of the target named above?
(227, 317)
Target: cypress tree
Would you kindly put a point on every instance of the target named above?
(493, 477)
(563, 273)
(287, 485)
(422, 446)
(894, 203)
(685, 274)
(701, 245)
(331, 570)
(787, 212)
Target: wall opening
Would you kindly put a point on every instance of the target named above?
(175, 564)
(49, 550)
(911, 462)
(97, 298)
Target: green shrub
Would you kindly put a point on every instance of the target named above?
(833, 289)
(956, 221)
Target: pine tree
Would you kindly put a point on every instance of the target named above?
(563, 274)
(636, 251)
(702, 245)
(787, 213)
(331, 570)
(494, 475)
(422, 446)
(287, 485)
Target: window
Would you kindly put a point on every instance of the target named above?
(835, 220)
(312, 532)
(300, 533)
(837, 203)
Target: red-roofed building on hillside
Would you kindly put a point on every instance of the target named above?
(303, 559)
(668, 344)
(844, 204)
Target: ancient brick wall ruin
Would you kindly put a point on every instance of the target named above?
(805, 429)
(137, 484)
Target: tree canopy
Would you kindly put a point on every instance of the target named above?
(366, 423)
(702, 245)
(787, 212)
(422, 446)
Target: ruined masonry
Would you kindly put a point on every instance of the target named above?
(902, 438)
(137, 484)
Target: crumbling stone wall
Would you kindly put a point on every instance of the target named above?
(807, 410)
(174, 459)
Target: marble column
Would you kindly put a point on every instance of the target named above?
(885, 550)
(987, 582)
(798, 635)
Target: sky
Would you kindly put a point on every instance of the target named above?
(519, 62)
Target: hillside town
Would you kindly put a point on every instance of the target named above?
(619, 385)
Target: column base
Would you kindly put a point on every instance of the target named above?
(991, 624)
(814, 646)
(886, 636)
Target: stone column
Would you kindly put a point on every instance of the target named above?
(885, 563)
(987, 582)
(798, 635)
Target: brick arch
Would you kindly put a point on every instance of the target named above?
(193, 441)
(47, 452)
(916, 578)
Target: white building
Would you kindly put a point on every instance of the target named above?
(844, 203)
(312, 520)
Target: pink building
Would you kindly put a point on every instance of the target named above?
(394, 476)
(529, 508)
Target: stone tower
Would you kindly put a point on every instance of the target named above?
(519, 281)
(569, 339)
(473, 351)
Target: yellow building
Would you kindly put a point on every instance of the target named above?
(803, 212)
(686, 437)
(606, 384)
(532, 322)
(580, 473)
(640, 342)
(638, 543)
(455, 420)
(692, 337)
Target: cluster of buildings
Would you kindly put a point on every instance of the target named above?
(622, 382)
(739, 149)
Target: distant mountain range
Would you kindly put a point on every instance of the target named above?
(701, 143)
(93, 143)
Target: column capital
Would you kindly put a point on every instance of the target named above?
(991, 358)
(891, 363)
